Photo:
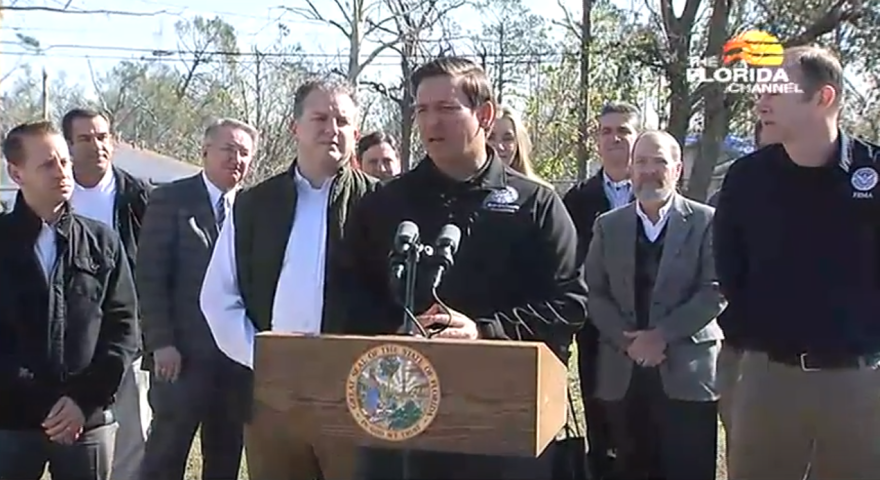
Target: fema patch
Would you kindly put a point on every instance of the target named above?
(502, 200)
(863, 181)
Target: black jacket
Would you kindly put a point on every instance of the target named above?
(130, 206)
(516, 271)
(585, 202)
(72, 339)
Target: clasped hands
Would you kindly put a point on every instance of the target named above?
(65, 422)
(454, 324)
(647, 347)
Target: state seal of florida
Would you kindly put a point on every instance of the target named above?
(393, 392)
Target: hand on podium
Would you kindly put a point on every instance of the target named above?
(448, 323)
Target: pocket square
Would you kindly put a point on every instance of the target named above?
(198, 231)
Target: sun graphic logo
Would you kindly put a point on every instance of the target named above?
(751, 62)
(755, 48)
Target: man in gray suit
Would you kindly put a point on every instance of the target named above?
(654, 298)
(194, 384)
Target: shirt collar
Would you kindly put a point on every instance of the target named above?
(664, 211)
(492, 176)
(303, 183)
(107, 182)
(844, 145)
(214, 193)
(616, 185)
(30, 224)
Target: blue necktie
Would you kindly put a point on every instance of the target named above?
(221, 212)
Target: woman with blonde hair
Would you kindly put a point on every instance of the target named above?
(510, 140)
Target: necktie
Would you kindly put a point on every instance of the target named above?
(221, 212)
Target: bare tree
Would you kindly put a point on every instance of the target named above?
(361, 23)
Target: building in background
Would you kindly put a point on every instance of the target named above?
(143, 164)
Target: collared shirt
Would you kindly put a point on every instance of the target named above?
(299, 300)
(215, 194)
(46, 249)
(653, 230)
(98, 202)
(618, 193)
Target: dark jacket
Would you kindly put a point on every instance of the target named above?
(585, 202)
(74, 339)
(516, 271)
(130, 206)
(178, 237)
(264, 216)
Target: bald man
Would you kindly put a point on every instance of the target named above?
(654, 298)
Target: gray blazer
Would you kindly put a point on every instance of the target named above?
(177, 238)
(686, 300)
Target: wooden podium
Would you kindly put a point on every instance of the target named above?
(481, 397)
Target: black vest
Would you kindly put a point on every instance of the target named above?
(647, 264)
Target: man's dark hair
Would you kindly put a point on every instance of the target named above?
(471, 77)
(74, 115)
(13, 143)
(371, 140)
(322, 85)
(818, 68)
(623, 108)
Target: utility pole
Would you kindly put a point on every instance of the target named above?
(1, 24)
(45, 94)
(583, 155)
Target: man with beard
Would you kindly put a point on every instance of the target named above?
(68, 327)
(654, 298)
(112, 196)
(610, 188)
(275, 268)
(194, 386)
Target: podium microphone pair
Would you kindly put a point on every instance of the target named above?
(408, 254)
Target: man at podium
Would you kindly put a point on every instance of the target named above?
(515, 274)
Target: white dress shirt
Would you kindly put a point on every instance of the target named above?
(215, 194)
(98, 202)
(299, 301)
(653, 230)
(46, 249)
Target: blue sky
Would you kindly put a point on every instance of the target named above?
(254, 20)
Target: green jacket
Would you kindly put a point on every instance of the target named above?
(264, 216)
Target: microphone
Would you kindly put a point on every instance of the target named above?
(405, 240)
(444, 250)
(406, 237)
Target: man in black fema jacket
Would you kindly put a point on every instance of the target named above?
(67, 320)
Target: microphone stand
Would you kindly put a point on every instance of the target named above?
(410, 275)
(411, 263)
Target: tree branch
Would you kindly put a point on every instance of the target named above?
(12, 8)
(835, 16)
(382, 90)
(312, 13)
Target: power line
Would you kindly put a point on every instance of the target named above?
(163, 53)
(252, 59)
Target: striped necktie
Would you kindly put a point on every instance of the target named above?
(221, 212)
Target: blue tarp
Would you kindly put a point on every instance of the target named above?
(738, 146)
